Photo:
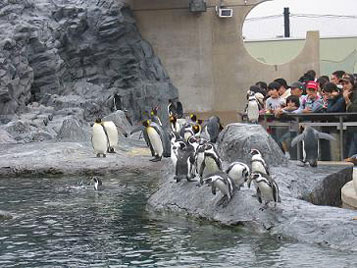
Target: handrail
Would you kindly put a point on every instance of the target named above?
(339, 120)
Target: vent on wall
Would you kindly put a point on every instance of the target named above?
(197, 6)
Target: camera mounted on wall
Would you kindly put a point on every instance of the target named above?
(197, 6)
(224, 12)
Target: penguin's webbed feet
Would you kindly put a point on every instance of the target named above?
(156, 159)
(110, 150)
(98, 155)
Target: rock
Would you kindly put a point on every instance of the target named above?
(71, 131)
(5, 215)
(236, 140)
(5, 137)
(293, 218)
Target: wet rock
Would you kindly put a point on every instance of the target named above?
(293, 218)
(236, 140)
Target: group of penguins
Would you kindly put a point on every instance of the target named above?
(190, 143)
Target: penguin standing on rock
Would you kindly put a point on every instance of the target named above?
(155, 140)
(98, 184)
(112, 135)
(310, 144)
(99, 138)
(267, 188)
(239, 173)
(211, 163)
(258, 163)
(224, 183)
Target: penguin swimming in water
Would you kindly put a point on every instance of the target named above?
(155, 140)
(211, 161)
(99, 138)
(239, 173)
(310, 144)
(267, 188)
(224, 184)
(98, 184)
(112, 135)
(252, 109)
(258, 163)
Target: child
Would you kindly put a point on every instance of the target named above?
(313, 103)
(274, 102)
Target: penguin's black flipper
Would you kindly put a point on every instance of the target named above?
(259, 196)
(179, 109)
(297, 139)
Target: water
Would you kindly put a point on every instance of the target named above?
(65, 223)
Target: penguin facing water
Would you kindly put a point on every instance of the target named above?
(310, 144)
(99, 138)
(223, 183)
(267, 188)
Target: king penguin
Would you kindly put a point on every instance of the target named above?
(155, 141)
(310, 144)
(112, 133)
(99, 138)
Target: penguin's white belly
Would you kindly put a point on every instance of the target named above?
(253, 111)
(199, 160)
(236, 174)
(211, 166)
(187, 135)
(258, 167)
(222, 187)
(155, 141)
(99, 139)
(112, 132)
(266, 191)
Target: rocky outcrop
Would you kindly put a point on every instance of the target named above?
(74, 55)
(236, 140)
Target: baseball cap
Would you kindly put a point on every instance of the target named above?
(297, 85)
(311, 85)
(348, 78)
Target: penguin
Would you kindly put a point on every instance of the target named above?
(154, 117)
(258, 163)
(45, 121)
(352, 159)
(142, 128)
(174, 126)
(112, 134)
(99, 138)
(184, 163)
(186, 132)
(171, 108)
(50, 117)
(179, 109)
(211, 128)
(224, 184)
(98, 184)
(310, 144)
(239, 173)
(211, 161)
(252, 109)
(117, 104)
(267, 188)
(155, 140)
(164, 135)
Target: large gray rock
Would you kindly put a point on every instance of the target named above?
(293, 218)
(71, 131)
(236, 140)
(86, 50)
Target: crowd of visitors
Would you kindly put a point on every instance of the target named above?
(310, 94)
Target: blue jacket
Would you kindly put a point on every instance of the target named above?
(336, 105)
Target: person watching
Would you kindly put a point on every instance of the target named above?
(334, 98)
(274, 101)
(313, 102)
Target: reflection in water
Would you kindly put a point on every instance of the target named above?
(65, 223)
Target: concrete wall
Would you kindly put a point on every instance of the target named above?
(205, 55)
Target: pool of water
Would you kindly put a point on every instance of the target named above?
(63, 222)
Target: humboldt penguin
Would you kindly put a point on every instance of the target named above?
(211, 161)
(224, 184)
(184, 162)
(112, 134)
(252, 109)
(211, 128)
(239, 173)
(99, 138)
(310, 144)
(258, 163)
(267, 188)
(98, 184)
(155, 140)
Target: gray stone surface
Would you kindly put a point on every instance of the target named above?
(293, 218)
(73, 54)
(71, 131)
(237, 139)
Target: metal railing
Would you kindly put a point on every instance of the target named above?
(341, 121)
